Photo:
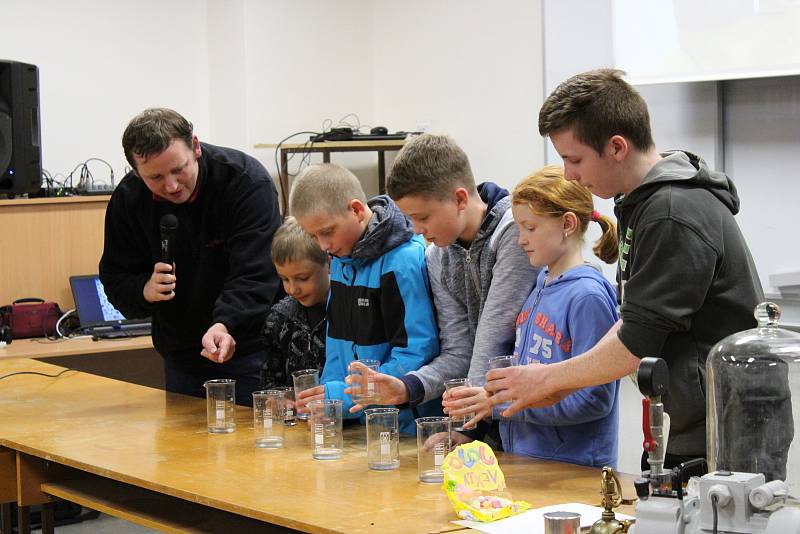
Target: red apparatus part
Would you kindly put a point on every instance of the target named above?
(649, 443)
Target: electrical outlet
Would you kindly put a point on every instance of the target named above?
(424, 126)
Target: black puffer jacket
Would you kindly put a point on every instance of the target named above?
(291, 343)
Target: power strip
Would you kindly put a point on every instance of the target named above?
(95, 189)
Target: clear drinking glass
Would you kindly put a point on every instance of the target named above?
(364, 395)
(326, 429)
(499, 362)
(268, 414)
(220, 405)
(303, 380)
(290, 411)
(383, 438)
(433, 444)
(456, 383)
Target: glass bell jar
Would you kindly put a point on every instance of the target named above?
(753, 395)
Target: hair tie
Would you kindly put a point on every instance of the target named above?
(595, 216)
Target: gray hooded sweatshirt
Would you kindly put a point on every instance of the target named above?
(478, 292)
(686, 280)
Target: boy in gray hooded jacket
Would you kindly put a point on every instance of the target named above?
(479, 275)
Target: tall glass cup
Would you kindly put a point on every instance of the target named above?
(364, 394)
(433, 444)
(383, 438)
(326, 429)
(268, 413)
(453, 384)
(290, 412)
(220, 405)
(303, 380)
(499, 362)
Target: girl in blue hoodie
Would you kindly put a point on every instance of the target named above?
(571, 307)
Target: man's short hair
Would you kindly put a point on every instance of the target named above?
(150, 133)
(291, 243)
(326, 188)
(429, 166)
(597, 105)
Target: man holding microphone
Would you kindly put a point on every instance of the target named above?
(187, 241)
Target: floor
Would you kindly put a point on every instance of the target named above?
(104, 524)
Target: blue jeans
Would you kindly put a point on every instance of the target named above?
(186, 373)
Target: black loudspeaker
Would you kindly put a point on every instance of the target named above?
(20, 138)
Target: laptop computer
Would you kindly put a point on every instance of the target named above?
(97, 315)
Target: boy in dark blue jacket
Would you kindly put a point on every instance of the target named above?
(380, 306)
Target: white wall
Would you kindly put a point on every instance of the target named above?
(567, 52)
(471, 69)
(762, 140)
(101, 63)
(577, 39)
(252, 71)
(227, 73)
(399, 66)
(308, 61)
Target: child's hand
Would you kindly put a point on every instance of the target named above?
(308, 395)
(388, 390)
(455, 439)
(467, 401)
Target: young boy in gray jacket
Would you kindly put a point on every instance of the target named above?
(479, 276)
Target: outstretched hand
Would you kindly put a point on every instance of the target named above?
(525, 386)
(463, 401)
(218, 344)
(387, 390)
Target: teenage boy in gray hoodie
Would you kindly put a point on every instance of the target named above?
(479, 275)
(686, 277)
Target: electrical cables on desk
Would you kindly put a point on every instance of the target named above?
(36, 373)
(81, 173)
(327, 125)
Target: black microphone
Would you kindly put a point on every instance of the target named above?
(169, 224)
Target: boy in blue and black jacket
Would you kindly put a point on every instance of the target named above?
(379, 306)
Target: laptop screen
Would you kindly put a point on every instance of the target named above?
(91, 302)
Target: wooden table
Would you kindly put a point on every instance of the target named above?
(145, 455)
(45, 348)
(129, 359)
(326, 147)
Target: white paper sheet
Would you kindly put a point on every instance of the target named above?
(532, 522)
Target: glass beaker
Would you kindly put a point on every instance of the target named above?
(499, 362)
(303, 380)
(433, 444)
(326, 429)
(456, 383)
(383, 438)
(364, 393)
(289, 412)
(268, 414)
(220, 405)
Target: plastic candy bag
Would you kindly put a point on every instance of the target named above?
(476, 486)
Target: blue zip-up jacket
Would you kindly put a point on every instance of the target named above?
(380, 306)
(562, 319)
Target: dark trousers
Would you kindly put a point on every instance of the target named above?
(186, 374)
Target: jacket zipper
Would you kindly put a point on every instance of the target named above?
(522, 413)
(475, 277)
